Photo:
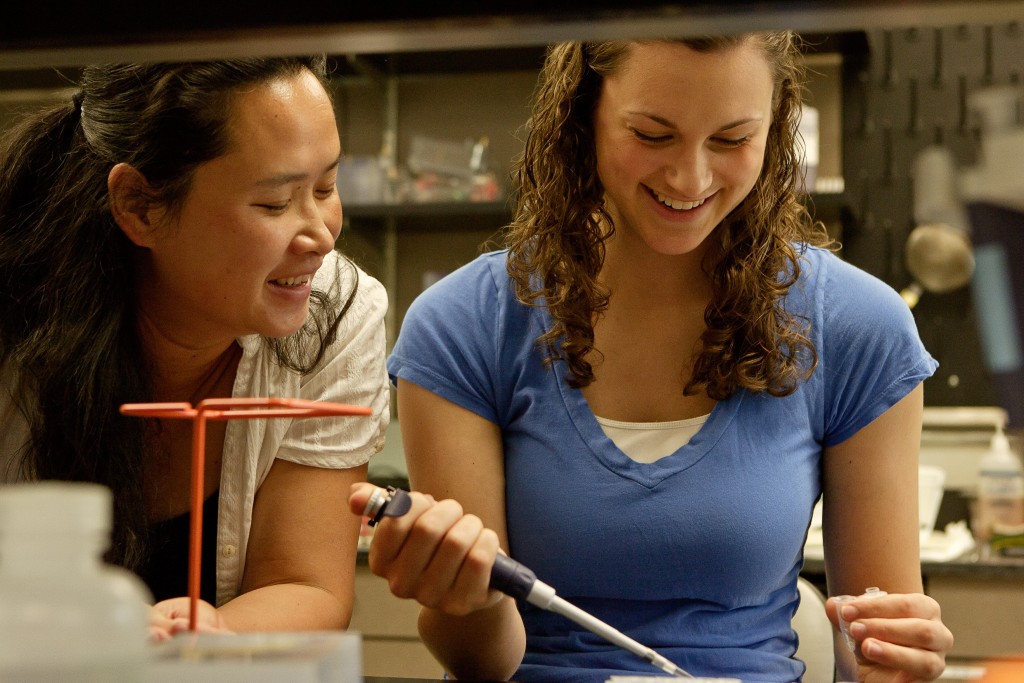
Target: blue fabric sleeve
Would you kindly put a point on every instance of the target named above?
(871, 355)
(448, 343)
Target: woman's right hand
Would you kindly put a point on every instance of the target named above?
(170, 617)
(435, 553)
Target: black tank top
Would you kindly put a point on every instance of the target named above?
(165, 571)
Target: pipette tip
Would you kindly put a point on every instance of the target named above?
(668, 667)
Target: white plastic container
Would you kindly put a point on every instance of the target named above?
(844, 626)
(295, 657)
(64, 614)
(1000, 489)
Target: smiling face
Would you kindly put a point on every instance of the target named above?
(680, 138)
(239, 255)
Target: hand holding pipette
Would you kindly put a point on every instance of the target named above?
(514, 579)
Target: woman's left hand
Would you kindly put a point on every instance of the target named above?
(169, 617)
(900, 637)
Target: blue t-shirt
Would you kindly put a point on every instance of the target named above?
(696, 554)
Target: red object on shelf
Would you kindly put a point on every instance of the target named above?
(224, 409)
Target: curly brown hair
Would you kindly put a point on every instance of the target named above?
(556, 239)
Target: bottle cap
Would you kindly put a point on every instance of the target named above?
(48, 506)
(1000, 459)
(1000, 442)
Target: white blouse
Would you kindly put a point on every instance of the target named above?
(352, 371)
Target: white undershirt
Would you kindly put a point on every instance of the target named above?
(650, 441)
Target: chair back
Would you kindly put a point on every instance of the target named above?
(814, 634)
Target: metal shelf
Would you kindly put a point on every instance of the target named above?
(74, 33)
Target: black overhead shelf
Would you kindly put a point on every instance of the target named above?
(69, 23)
(71, 33)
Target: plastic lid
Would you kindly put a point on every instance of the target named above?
(50, 506)
(1000, 458)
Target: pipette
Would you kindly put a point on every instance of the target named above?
(518, 581)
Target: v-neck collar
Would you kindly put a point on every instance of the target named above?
(645, 474)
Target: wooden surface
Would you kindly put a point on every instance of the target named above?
(392, 650)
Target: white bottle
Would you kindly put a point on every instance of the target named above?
(64, 614)
(1000, 488)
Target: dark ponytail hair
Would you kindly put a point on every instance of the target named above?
(68, 337)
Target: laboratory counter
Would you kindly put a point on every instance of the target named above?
(968, 565)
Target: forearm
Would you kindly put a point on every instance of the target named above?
(287, 607)
(486, 644)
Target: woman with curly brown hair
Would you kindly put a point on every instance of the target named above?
(643, 397)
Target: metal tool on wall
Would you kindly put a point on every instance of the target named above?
(939, 258)
(938, 251)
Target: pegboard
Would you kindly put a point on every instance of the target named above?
(908, 89)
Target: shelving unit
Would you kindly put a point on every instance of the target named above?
(403, 244)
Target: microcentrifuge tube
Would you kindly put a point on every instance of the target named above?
(872, 592)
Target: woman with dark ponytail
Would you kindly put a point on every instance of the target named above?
(168, 235)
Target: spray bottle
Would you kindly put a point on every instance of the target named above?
(1000, 489)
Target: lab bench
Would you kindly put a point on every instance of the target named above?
(387, 624)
